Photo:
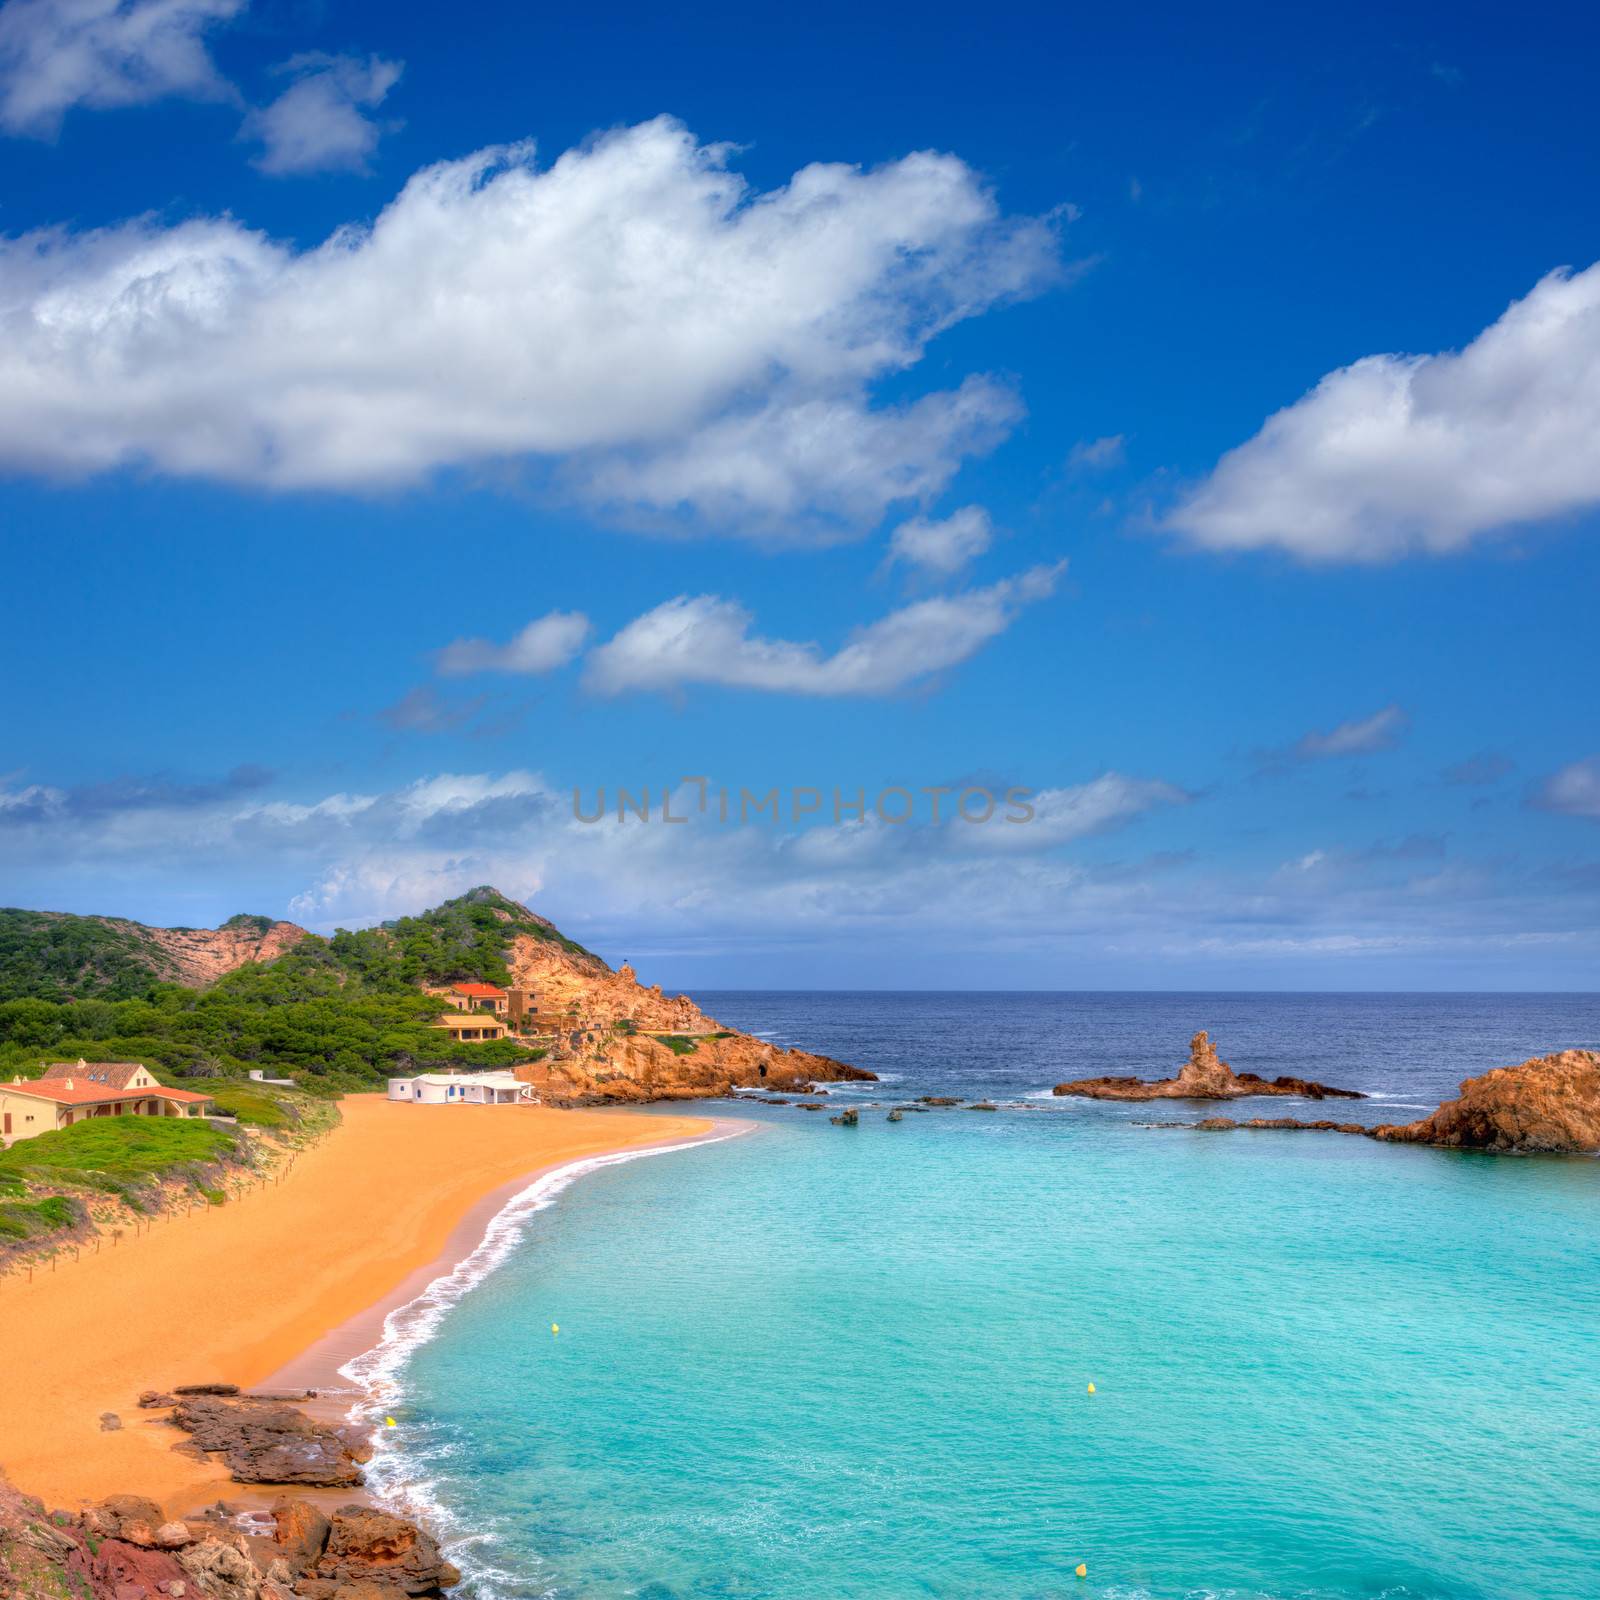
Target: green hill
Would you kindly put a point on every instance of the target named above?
(336, 1013)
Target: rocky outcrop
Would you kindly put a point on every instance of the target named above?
(1204, 1076)
(122, 1549)
(1549, 1104)
(267, 1441)
(196, 957)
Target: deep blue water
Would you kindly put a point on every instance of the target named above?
(820, 1362)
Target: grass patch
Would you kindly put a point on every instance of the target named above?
(252, 1104)
(117, 1153)
(679, 1044)
(22, 1220)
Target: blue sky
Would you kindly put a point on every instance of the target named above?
(1185, 417)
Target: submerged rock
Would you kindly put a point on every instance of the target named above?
(848, 1118)
(1204, 1076)
(937, 1100)
(895, 1115)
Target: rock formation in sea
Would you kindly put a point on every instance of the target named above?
(1548, 1105)
(1204, 1076)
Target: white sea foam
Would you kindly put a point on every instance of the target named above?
(396, 1480)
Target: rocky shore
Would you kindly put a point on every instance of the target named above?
(1204, 1076)
(1548, 1105)
(124, 1548)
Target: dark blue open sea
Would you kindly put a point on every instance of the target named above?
(819, 1362)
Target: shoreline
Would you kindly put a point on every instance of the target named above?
(271, 1282)
(320, 1365)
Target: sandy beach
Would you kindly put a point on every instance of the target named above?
(257, 1289)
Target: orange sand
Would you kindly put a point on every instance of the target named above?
(232, 1293)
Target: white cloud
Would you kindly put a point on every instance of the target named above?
(1395, 454)
(943, 545)
(634, 312)
(319, 123)
(1575, 789)
(1383, 730)
(811, 469)
(57, 54)
(706, 639)
(1098, 455)
(546, 643)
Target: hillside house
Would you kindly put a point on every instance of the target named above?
(472, 1027)
(477, 997)
(66, 1093)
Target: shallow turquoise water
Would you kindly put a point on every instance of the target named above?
(821, 1362)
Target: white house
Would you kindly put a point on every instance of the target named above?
(460, 1088)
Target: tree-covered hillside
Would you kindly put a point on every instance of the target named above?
(50, 955)
(335, 1013)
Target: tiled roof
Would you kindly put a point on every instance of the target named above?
(109, 1074)
(77, 1094)
(479, 991)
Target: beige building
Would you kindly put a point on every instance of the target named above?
(469, 1027)
(67, 1093)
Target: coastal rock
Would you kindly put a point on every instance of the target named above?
(895, 1115)
(300, 1534)
(1546, 1105)
(155, 1400)
(110, 1552)
(207, 1388)
(128, 1517)
(1204, 1076)
(268, 1442)
(983, 1105)
(848, 1118)
(937, 1100)
(366, 1546)
(224, 1571)
(608, 1031)
(110, 1422)
(1549, 1105)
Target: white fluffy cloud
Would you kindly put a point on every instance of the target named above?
(1575, 789)
(704, 639)
(546, 643)
(1396, 454)
(57, 54)
(320, 122)
(633, 311)
(943, 545)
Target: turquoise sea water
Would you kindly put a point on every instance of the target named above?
(822, 1362)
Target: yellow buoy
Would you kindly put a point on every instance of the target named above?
(389, 1422)
(1081, 1569)
(1091, 1388)
(555, 1327)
